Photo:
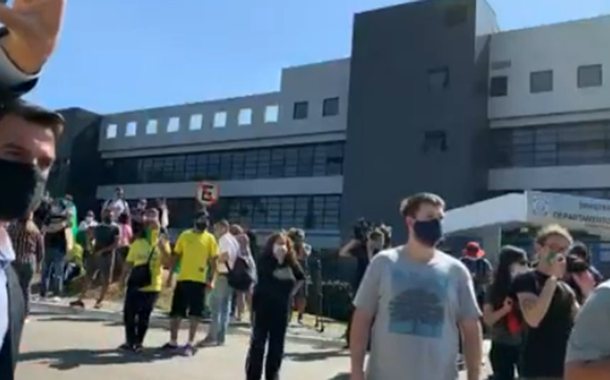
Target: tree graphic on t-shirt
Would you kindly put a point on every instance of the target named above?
(418, 307)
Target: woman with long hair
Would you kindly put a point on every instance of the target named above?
(279, 278)
(242, 299)
(501, 315)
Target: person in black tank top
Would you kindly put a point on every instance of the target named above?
(548, 306)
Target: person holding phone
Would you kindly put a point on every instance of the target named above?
(501, 316)
(548, 306)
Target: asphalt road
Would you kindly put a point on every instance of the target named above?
(60, 347)
(57, 347)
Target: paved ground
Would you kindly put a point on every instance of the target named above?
(57, 347)
(60, 347)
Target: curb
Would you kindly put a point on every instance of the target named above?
(159, 320)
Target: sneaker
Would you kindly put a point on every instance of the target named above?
(77, 303)
(189, 350)
(125, 347)
(207, 342)
(138, 348)
(56, 299)
(169, 346)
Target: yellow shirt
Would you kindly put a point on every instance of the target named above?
(139, 252)
(195, 251)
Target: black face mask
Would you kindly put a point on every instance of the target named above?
(428, 232)
(23, 189)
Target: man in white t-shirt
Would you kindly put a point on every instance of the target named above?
(222, 294)
(118, 205)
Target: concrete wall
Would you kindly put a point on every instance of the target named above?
(311, 83)
(254, 187)
(561, 48)
(550, 178)
(394, 113)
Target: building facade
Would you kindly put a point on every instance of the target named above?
(433, 98)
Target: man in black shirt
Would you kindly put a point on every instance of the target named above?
(548, 306)
(106, 236)
(57, 241)
(362, 251)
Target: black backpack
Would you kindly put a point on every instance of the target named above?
(240, 277)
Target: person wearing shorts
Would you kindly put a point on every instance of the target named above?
(100, 262)
(196, 250)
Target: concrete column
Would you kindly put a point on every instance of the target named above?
(491, 240)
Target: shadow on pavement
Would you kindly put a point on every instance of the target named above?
(340, 376)
(315, 355)
(68, 318)
(64, 360)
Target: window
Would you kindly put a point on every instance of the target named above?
(111, 131)
(244, 117)
(541, 81)
(435, 141)
(151, 127)
(563, 145)
(300, 111)
(590, 76)
(272, 114)
(196, 122)
(220, 119)
(318, 212)
(131, 128)
(456, 15)
(438, 79)
(289, 161)
(330, 107)
(173, 125)
(498, 86)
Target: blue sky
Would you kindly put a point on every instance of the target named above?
(118, 55)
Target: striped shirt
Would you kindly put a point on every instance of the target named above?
(28, 244)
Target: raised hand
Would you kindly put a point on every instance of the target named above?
(34, 27)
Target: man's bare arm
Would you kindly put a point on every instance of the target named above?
(598, 370)
(534, 307)
(472, 336)
(360, 332)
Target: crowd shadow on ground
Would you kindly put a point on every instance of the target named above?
(64, 360)
(315, 355)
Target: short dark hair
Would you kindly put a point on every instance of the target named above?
(580, 249)
(411, 205)
(34, 114)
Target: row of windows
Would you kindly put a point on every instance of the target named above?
(311, 160)
(317, 212)
(542, 81)
(573, 144)
(220, 119)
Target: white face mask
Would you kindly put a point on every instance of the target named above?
(89, 219)
(280, 251)
(516, 270)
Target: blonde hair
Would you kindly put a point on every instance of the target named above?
(552, 230)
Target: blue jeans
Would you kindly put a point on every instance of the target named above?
(220, 306)
(52, 276)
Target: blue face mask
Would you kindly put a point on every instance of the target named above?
(428, 232)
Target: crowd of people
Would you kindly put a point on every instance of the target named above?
(416, 308)
(212, 257)
(412, 298)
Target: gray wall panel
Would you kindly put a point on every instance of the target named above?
(391, 108)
